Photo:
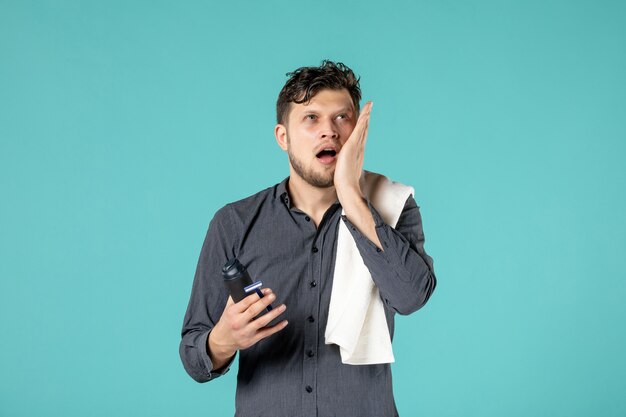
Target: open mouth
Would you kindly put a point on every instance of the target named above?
(326, 156)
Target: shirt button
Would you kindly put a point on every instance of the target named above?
(311, 319)
(309, 388)
(310, 353)
(313, 284)
(314, 249)
(378, 250)
(307, 218)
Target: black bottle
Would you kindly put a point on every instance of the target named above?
(236, 278)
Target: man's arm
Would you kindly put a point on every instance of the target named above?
(215, 329)
(357, 210)
(403, 272)
(208, 299)
(396, 259)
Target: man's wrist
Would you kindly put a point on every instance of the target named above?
(358, 212)
(349, 195)
(218, 352)
(355, 207)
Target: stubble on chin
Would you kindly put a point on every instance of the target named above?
(309, 175)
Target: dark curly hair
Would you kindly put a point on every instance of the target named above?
(305, 82)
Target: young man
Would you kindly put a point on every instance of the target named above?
(287, 236)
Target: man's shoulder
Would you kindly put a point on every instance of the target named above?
(255, 199)
(246, 206)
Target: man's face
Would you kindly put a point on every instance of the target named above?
(315, 133)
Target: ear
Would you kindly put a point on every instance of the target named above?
(280, 131)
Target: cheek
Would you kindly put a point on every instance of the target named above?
(345, 135)
(346, 131)
(298, 147)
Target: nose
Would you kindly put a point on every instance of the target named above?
(329, 130)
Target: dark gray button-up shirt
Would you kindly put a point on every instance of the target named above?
(293, 372)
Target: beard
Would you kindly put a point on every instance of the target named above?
(320, 180)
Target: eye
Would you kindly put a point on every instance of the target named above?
(310, 117)
(343, 116)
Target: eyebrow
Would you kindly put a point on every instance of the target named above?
(342, 109)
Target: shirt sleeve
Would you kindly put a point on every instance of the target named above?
(403, 272)
(208, 299)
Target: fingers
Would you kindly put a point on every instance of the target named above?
(360, 128)
(367, 110)
(364, 135)
(244, 304)
(260, 305)
(362, 124)
(268, 331)
(242, 324)
(364, 115)
(265, 319)
(364, 128)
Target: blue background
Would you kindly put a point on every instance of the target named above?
(119, 125)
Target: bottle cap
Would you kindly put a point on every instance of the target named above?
(233, 269)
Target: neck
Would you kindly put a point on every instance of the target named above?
(310, 199)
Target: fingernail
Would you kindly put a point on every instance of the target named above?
(272, 296)
(282, 307)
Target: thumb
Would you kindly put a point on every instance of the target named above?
(230, 301)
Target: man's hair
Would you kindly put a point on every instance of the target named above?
(305, 82)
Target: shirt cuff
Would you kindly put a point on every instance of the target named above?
(204, 354)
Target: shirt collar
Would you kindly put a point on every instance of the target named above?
(283, 194)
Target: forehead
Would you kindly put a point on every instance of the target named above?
(326, 101)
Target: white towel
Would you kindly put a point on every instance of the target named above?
(356, 317)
